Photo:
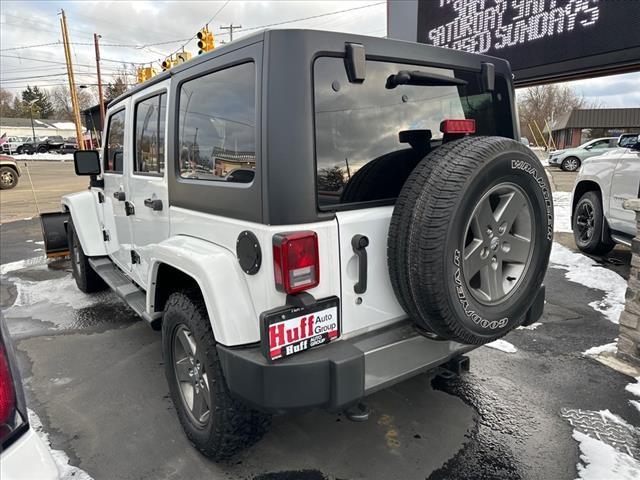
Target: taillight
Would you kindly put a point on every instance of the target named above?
(7, 395)
(458, 126)
(295, 261)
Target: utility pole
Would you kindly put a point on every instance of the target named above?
(100, 97)
(230, 28)
(72, 82)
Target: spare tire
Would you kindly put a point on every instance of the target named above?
(470, 238)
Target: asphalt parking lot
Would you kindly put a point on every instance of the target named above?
(94, 377)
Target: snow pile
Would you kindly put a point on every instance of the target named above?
(601, 461)
(562, 212)
(581, 269)
(634, 387)
(502, 345)
(61, 459)
(606, 348)
(533, 326)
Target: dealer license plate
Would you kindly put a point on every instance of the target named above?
(290, 330)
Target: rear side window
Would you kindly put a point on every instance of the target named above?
(217, 126)
(150, 115)
(369, 136)
(114, 148)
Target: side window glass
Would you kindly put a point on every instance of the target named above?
(114, 147)
(217, 126)
(150, 115)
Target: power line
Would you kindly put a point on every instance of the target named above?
(258, 27)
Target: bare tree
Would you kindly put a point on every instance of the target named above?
(547, 103)
(61, 100)
(7, 109)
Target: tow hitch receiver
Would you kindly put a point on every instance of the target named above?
(454, 367)
(54, 232)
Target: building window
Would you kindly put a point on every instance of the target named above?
(150, 118)
(217, 126)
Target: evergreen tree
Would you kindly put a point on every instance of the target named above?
(42, 107)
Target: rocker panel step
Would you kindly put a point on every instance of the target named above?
(123, 287)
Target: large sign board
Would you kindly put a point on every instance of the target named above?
(544, 40)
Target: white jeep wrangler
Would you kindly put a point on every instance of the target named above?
(310, 217)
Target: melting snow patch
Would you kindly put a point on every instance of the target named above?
(606, 348)
(66, 471)
(20, 264)
(533, 326)
(636, 404)
(600, 461)
(562, 212)
(60, 291)
(581, 269)
(502, 345)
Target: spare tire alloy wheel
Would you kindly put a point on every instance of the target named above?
(470, 238)
(497, 244)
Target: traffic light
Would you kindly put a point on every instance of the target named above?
(145, 73)
(167, 64)
(206, 43)
(182, 57)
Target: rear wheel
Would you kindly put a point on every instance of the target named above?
(42, 149)
(87, 280)
(570, 164)
(8, 178)
(477, 221)
(19, 150)
(216, 424)
(588, 222)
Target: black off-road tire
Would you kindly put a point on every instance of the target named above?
(19, 150)
(565, 167)
(231, 425)
(427, 236)
(381, 178)
(87, 280)
(43, 149)
(8, 178)
(593, 243)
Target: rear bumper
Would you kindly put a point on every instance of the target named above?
(335, 375)
(342, 372)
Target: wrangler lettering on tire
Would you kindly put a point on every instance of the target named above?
(470, 238)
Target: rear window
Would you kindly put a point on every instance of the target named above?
(369, 137)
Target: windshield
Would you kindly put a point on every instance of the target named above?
(371, 127)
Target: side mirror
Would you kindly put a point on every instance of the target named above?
(588, 147)
(86, 162)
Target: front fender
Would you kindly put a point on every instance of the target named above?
(82, 206)
(221, 281)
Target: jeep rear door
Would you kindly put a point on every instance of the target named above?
(147, 180)
(369, 137)
(116, 158)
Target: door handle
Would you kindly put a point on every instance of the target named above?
(360, 244)
(154, 204)
(120, 196)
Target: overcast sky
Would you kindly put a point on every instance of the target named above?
(135, 26)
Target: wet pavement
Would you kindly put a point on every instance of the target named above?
(94, 375)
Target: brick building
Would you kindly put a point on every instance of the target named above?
(580, 125)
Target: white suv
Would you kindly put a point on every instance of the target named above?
(306, 224)
(604, 182)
